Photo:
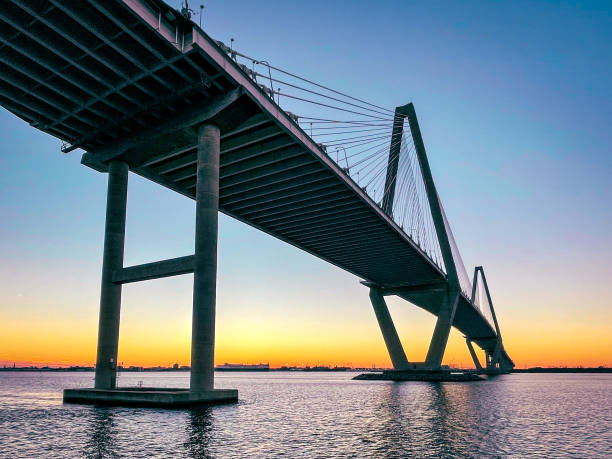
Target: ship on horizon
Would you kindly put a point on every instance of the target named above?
(243, 367)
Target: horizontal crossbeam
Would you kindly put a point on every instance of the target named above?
(155, 270)
(183, 121)
(426, 288)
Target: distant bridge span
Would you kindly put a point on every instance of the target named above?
(140, 87)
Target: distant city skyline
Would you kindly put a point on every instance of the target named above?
(515, 105)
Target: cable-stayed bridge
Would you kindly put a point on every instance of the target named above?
(141, 88)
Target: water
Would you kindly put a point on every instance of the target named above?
(316, 415)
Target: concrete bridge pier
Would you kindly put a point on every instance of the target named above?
(110, 295)
(203, 264)
(495, 361)
(431, 369)
(385, 322)
(444, 323)
(473, 354)
(205, 261)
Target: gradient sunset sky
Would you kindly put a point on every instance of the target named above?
(515, 104)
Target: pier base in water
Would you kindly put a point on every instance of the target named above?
(420, 375)
(150, 396)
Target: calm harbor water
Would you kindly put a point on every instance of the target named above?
(298, 414)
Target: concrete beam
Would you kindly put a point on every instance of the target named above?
(70, 34)
(57, 50)
(155, 270)
(229, 158)
(322, 192)
(334, 229)
(255, 121)
(253, 160)
(135, 36)
(423, 288)
(37, 54)
(280, 181)
(277, 198)
(276, 158)
(323, 209)
(48, 97)
(253, 138)
(387, 256)
(188, 119)
(320, 225)
(341, 228)
(272, 173)
(367, 242)
(230, 197)
(308, 201)
(38, 111)
(91, 22)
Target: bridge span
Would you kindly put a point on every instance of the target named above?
(140, 87)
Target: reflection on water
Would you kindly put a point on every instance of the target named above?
(422, 419)
(442, 419)
(199, 432)
(100, 434)
(118, 432)
(316, 415)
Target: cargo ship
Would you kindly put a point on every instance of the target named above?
(243, 367)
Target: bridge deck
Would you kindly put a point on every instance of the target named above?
(132, 79)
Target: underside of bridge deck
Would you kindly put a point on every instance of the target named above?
(132, 80)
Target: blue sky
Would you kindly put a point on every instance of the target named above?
(515, 104)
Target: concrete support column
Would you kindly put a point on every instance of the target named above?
(205, 259)
(473, 354)
(110, 295)
(442, 330)
(394, 345)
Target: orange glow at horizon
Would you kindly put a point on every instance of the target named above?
(292, 344)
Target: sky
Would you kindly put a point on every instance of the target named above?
(515, 106)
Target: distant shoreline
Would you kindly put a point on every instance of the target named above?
(563, 370)
(318, 369)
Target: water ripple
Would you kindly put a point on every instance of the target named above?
(316, 415)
